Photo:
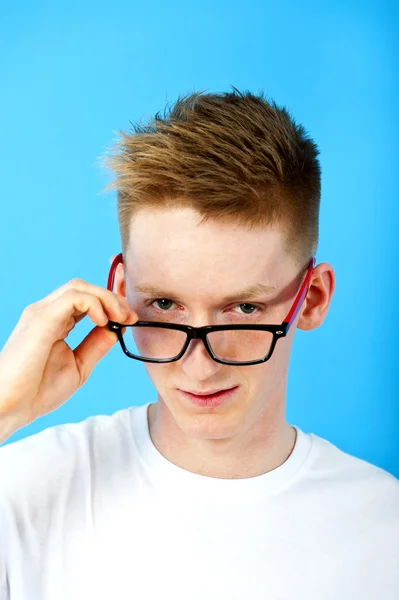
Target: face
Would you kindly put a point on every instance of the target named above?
(200, 265)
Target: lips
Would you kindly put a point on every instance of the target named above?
(215, 400)
(207, 393)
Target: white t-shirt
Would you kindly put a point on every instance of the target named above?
(92, 510)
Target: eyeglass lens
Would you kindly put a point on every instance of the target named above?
(230, 345)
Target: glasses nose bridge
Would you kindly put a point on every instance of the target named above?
(197, 333)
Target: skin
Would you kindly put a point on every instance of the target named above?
(249, 435)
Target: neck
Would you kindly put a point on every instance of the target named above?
(265, 444)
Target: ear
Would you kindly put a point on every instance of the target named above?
(318, 298)
(119, 280)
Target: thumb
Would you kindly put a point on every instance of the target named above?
(93, 348)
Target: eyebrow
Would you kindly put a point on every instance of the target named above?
(249, 293)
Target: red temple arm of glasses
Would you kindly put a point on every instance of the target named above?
(301, 295)
(289, 318)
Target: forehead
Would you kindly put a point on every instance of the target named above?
(170, 248)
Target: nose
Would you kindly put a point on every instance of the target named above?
(197, 363)
(196, 342)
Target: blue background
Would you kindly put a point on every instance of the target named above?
(72, 75)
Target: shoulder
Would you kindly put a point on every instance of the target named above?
(352, 480)
(49, 458)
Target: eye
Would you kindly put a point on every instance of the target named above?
(164, 304)
(252, 306)
(165, 300)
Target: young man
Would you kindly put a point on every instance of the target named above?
(203, 494)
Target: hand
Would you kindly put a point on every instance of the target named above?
(38, 370)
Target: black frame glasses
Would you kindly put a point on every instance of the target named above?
(200, 333)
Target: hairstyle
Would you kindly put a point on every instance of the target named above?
(233, 157)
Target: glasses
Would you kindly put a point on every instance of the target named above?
(159, 342)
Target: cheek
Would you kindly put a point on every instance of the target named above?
(159, 374)
(264, 376)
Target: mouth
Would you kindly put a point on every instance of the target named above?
(213, 399)
(210, 393)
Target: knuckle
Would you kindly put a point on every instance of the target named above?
(35, 306)
(75, 282)
(72, 295)
(31, 308)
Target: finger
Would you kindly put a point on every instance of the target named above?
(92, 349)
(56, 320)
(106, 297)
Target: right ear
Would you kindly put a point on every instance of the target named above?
(119, 280)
